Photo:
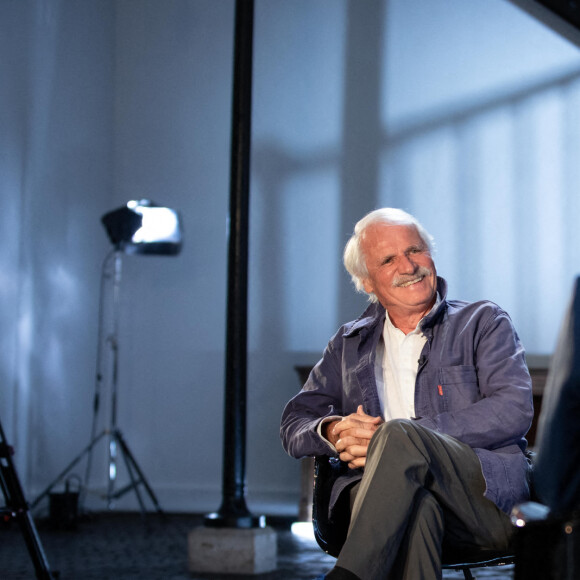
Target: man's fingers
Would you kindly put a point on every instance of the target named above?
(348, 423)
(353, 450)
(356, 437)
(356, 432)
(346, 442)
(353, 457)
(362, 416)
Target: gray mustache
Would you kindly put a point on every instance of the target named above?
(422, 272)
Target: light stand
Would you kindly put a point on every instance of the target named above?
(116, 443)
(139, 228)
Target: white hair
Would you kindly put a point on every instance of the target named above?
(354, 258)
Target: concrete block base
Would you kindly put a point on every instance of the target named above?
(232, 550)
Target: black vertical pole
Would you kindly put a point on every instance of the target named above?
(233, 511)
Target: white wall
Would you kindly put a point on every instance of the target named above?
(56, 180)
(482, 144)
(427, 105)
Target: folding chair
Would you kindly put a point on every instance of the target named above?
(331, 534)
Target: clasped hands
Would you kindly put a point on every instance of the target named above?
(351, 436)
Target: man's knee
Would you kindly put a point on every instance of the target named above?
(393, 435)
(404, 440)
(396, 428)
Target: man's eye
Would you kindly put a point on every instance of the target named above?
(387, 261)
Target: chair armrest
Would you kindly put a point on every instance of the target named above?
(528, 512)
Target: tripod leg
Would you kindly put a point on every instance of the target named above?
(134, 480)
(34, 546)
(129, 456)
(17, 506)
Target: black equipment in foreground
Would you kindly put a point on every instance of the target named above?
(547, 529)
(17, 507)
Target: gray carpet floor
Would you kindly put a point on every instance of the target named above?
(128, 546)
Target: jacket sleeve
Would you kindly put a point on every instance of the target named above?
(496, 410)
(320, 397)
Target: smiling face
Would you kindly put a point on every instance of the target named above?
(401, 272)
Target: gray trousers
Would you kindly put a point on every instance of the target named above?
(419, 489)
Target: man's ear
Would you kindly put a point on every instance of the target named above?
(368, 286)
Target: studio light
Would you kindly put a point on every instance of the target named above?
(143, 227)
(139, 227)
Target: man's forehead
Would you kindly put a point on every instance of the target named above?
(393, 234)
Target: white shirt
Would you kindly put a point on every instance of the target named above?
(400, 362)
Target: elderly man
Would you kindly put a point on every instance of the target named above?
(427, 400)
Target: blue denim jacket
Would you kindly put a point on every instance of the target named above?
(472, 383)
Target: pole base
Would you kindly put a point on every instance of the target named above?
(232, 551)
(236, 521)
(234, 513)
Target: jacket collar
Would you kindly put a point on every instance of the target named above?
(434, 315)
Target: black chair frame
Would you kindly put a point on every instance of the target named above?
(330, 534)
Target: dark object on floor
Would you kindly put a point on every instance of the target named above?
(64, 506)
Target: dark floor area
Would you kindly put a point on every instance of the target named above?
(121, 546)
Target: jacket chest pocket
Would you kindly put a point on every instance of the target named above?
(458, 387)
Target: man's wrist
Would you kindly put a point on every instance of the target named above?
(327, 432)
